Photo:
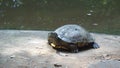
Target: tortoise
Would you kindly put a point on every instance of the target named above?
(71, 37)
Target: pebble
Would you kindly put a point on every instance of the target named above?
(12, 56)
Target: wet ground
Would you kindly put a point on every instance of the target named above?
(29, 49)
(100, 16)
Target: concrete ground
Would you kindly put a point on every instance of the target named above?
(29, 49)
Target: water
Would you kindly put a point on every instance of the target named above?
(96, 16)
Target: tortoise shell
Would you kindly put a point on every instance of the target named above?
(71, 37)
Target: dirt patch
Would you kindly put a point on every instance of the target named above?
(29, 49)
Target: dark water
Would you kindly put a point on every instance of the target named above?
(101, 16)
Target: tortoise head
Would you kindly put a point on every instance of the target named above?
(53, 39)
(53, 35)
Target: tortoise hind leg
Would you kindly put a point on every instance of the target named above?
(95, 45)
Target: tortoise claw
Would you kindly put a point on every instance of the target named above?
(75, 51)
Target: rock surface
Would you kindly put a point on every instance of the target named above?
(29, 49)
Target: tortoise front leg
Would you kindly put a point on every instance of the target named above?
(73, 48)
